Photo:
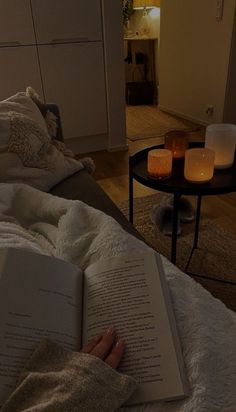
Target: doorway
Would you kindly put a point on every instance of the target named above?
(141, 58)
(141, 37)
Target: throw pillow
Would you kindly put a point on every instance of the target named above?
(28, 141)
(24, 105)
(49, 117)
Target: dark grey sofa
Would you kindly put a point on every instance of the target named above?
(82, 186)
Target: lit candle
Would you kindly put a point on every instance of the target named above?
(159, 163)
(222, 139)
(177, 142)
(199, 165)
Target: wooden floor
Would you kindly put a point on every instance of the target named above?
(112, 175)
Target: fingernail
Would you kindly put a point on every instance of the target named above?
(110, 331)
(120, 342)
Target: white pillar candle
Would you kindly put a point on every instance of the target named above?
(199, 165)
(159, 163)
(222, 139)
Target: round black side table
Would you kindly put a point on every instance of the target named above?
(224, 181)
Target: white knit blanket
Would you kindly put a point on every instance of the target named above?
(36, 221)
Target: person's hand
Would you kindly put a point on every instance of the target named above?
(103, 347)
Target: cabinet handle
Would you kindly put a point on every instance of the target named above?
(69, 40)
(10, 44)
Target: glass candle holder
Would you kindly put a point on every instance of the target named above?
(199, 165)
(177, 142)
(222, 139)
(160, 163)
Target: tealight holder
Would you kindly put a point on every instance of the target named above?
(160, 163)
(199, 165)
(222, 139)
(177, 141)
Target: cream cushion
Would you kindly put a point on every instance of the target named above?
(27, 152)
(22, 104)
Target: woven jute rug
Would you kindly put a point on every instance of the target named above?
(144, 122)
(216, 256)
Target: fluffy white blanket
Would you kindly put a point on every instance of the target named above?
(32, 220)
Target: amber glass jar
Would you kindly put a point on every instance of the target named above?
(177, 141)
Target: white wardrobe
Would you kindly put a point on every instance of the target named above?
(62, 48)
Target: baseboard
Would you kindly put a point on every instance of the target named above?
(183, 115)
(87, 144)
(119, 148)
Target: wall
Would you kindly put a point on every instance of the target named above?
(194, 57)
(230, 101)
(115, 73)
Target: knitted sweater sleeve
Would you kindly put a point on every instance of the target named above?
(56, 380)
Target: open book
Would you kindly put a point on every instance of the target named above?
(41, 296)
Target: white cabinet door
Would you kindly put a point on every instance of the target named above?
(16, 23)
(18, 69)
(67, 20)
(73, 77)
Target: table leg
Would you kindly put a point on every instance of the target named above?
(175, 228)
(196, 234)
(198, 214)
(131, 196)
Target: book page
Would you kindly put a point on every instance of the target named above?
(127, 293)
(40, 296)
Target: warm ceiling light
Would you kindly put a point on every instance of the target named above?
(148, 4)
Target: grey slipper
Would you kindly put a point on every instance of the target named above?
(186, 210)
(162, 217)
